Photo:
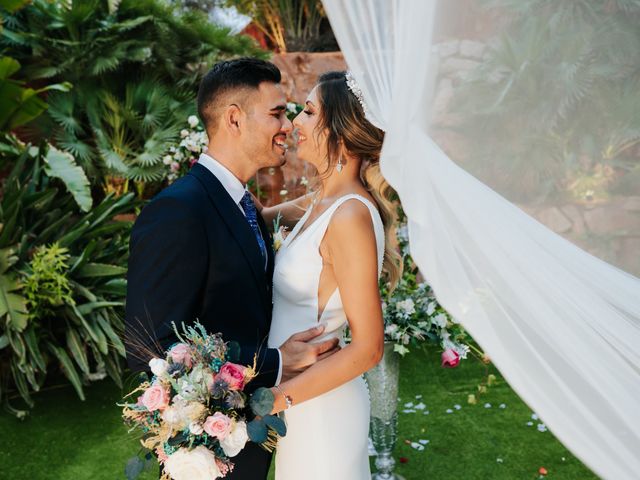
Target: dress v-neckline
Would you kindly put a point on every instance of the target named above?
(297, 233)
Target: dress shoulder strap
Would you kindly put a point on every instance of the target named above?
(378, 226)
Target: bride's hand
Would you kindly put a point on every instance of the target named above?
(298, 354)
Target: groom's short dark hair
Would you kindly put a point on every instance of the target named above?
(228, 75)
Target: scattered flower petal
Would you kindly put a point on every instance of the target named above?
(457, 407)
(449, 410)
(502, 405)
(420, 406)
(487, 405)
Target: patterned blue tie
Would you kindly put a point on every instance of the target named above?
(252, 217)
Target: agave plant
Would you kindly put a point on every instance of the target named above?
(558, 93)
(135, 66)
(61, 276)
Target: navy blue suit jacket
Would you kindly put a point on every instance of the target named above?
(194, 256)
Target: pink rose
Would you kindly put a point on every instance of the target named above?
(162, 456)
(233, 375)
(155, 398)
(217, 425)
(450, 358)
(180, 353)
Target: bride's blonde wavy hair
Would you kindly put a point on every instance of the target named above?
(343, 118)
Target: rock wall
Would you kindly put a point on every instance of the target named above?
(610, 230)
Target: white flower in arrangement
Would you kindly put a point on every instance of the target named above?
(407, 306)
(175, 166)
(196, 464)
(403, 233)
(431, 308)
(193, 121)
(291, 107)
(440, 320)
(304, 181)
(283, 192)
(184, 133)
(167, 159)
(158, 366)
(391, 329)
(196, 428)
(233, 443)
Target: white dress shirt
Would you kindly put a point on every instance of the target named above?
(235, 189)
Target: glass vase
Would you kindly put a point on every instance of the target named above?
(383, 392)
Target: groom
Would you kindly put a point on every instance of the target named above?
(199, 250)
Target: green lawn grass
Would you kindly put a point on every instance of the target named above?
(67, 439)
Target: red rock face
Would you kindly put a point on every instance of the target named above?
(300, 71)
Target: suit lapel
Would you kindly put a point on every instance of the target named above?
(237, 225)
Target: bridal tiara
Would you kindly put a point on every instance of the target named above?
(357, 91)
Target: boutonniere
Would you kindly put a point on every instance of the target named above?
(278, 233)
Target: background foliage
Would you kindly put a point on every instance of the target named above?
(558, 93)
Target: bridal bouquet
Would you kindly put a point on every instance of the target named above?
(192, 412)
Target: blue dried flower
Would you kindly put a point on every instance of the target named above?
(219, 388)
(176, 369)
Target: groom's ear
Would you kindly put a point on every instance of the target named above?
(233, 119)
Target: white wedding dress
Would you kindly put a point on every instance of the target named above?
(327, 435)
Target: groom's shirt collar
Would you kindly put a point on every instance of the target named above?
(231, 184)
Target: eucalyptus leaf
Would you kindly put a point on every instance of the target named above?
(276, 423)
(133, 468)
(257, 430)
(261, 401)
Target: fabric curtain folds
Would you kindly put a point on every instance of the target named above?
(561, 325)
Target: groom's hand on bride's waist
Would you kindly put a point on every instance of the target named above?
(298, 354)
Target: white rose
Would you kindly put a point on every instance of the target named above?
(440, 320)
(235, 441)
(193, 121)
(158, 366)
(408, 306)
(196, 464)
(184, 133)
(196, 428)
(167, 159)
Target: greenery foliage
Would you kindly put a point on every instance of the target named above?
(135, 66)
(61, 280)
(558, 89)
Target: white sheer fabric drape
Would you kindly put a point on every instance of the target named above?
(561, 325)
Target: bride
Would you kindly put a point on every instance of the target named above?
(327, 271)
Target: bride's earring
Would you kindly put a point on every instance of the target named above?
(340, 164)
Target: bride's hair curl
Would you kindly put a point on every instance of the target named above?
(343, 117)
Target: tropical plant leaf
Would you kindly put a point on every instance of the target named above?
(67, 368)
(63, 166)
(100, 270)
(12, 304)
(76, 347)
